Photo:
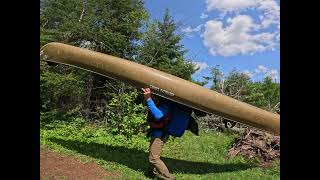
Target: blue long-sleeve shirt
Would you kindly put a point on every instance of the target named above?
(180, 117)
(158, 113)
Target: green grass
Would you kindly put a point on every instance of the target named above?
(189, 157)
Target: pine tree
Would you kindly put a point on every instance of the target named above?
(161, 49)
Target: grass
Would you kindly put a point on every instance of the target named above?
(189, 157)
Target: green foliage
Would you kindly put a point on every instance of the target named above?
(200, 83)
(54, 120)
(123, 116)
(107, 26)
(264, 94)
(189, 157)
(62, 92)
(216, 76)
(114, 27)
(236, 85)
(161, 49)
(111, 27)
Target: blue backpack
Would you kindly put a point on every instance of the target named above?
(180, 118)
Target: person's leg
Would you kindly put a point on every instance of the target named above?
(160, 169)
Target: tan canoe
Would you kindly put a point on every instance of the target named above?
(163, 84)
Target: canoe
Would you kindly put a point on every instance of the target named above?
(162, 84)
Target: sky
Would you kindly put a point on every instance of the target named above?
(234, 34)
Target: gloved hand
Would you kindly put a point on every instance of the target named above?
(146, 93)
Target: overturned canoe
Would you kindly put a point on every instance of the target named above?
(162, 84)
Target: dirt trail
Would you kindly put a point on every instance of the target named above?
(55, 166)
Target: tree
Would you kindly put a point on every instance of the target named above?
(216, 77)
(102, 25)
(263, 94)
(107, 26)
(161, 49)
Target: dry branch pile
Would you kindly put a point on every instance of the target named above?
(257, 144)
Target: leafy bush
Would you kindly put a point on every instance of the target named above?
(62, 92)
(124, 116)
(55, 119)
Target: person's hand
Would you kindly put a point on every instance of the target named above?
(146, 93)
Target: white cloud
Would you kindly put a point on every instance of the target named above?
(188, 30)
(248, 73)
(235, 39)
(229, 5)
(204, 16)
(261, 69)
(271, 13)
(273, 73)
(241, 34)
(269, 10)
(278, 37)
(201, 65)
(198, 27)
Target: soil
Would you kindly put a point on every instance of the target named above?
(55, 166)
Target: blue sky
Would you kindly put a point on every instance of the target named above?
(235, 34)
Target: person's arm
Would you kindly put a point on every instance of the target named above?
(157, 112)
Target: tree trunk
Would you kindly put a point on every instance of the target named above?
(88, 96)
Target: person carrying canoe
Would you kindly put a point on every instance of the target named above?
(166, 118)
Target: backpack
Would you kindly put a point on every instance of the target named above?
(180, 119)
(176, 122)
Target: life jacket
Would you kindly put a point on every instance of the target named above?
(161, 124)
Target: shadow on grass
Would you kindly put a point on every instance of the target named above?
(137, 159)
